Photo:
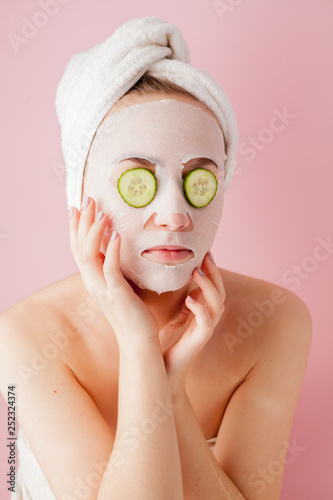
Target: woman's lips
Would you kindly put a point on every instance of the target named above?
(165, 254)
(166, 247)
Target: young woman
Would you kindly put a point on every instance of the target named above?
(122, 389)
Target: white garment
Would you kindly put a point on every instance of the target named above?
(211, 442)
(31, 484)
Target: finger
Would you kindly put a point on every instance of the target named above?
(213, 299)
(94, 237)
(112, 272)
(73, 225)
(86, 220)
(87, 254)
(92, 260)
(196, 294)
(204, 322)
(212, 271)
(112, 255)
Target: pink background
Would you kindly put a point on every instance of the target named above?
(268, 56)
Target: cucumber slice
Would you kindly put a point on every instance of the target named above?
(200, 186)
(137, 187)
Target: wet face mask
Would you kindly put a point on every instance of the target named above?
(170, 194)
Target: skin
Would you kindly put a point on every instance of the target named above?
(241, 391)
(164, 306)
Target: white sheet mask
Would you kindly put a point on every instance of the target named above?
(169, 133)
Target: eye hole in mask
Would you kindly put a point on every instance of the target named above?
(137, 187)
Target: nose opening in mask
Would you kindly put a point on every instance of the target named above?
(175, 221)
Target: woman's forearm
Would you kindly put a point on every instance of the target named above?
(145, 462)
(203, 478)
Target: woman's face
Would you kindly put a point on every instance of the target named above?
(169, 137)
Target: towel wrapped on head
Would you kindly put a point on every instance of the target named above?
(95, 79)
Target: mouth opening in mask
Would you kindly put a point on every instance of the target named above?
(168, 254)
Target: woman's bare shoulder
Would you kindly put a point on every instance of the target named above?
(257, 309)
(39, 305)
(32, 336)
(32, 318)
(244, 291)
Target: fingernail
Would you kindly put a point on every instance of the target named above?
(99, 215)
(71, 211)
(114, 235)
(211, 257)
(201, 271)
(86, 200)
(190, 298)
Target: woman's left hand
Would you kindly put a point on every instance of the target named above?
(195, 323)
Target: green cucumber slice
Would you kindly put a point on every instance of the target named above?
(137, 187)
(200, 186)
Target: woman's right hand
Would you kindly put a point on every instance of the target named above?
(129, 317)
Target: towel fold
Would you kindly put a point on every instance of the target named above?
(96, 78)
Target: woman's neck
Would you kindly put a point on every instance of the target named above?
(164, 306)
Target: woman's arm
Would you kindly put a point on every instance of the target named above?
(201, 473)
(68, 435)
(146, 448)
(203, 477)
(252, 446)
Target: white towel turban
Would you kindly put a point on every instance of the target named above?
(96, 78)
